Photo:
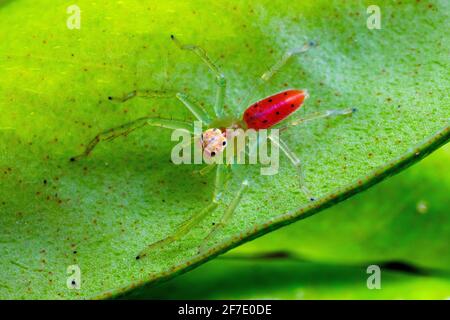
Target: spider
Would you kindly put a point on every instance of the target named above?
(270, 112)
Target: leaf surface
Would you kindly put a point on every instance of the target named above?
(99, 212)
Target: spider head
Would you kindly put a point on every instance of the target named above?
(213, 142)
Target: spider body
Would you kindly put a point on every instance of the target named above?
(270, 112)
(262, 114)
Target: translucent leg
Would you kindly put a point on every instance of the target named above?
(297, 164)
(186, 226)
(142, 94)
(316, 115)
(220, 77)
(125, 129)
(285, 58)
(226, 216)
(193, 107)
(266, 76)
(205, 170)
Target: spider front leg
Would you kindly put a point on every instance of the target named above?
(127, 128)
(198, 111)
(142, 94)
(187, 226)
(220, 77)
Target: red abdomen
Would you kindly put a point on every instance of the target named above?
(271, 110)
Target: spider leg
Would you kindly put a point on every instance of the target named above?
(220, 77)
(187, 225)
(197, 110)
(127, 128)
(316, 115)
(206, 169)
(296, 163)
(143, 94)
(285, 58)
(226, 215)
(194, 108)
(266, 76)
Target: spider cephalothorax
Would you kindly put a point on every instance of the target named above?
(213, 142)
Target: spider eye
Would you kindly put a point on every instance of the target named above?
(213, 154)
(224, 143)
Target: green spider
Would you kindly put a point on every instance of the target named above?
(266, 113)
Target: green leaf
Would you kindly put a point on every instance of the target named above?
(291, 279)
(99, 212)
(403, 219)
